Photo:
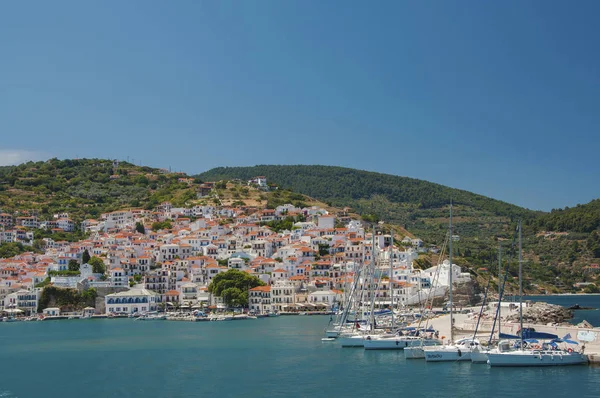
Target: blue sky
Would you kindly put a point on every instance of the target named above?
(499, 98)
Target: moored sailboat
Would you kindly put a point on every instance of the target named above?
(548, 354)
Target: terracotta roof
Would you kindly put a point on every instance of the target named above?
(261, 289)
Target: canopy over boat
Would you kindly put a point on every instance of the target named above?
(529, 333)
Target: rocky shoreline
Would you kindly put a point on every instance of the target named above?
(543, 313)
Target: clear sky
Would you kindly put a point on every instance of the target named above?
(500, 98)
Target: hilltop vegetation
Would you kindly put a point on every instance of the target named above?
(339, 184)
(582, 218)
(85, 188)
(419, 206)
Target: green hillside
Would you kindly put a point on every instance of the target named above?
(85, 188)
(420, 206)
(582, 218)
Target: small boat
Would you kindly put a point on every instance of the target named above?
(151, 316)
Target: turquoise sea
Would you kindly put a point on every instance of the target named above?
(279, 357)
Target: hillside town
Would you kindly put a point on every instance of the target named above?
(304, 268)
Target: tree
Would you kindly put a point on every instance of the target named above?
(139, 227)
(323, 249)
(161, 225)
(97, 264)
(8, 250)
(591, 289)
(85, 257)
(233, 287)
(73, 265)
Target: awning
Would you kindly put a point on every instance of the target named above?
(13, 311)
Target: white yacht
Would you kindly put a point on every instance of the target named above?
(396, 342)
(505, 355)
(459, 351)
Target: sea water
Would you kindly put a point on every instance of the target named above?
(278, 357)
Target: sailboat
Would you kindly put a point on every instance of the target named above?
(356, 337)
(415, 351)
(461, 349)
(548, 354)
(388, 341)
(480, 354)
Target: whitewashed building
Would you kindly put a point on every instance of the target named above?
(131, 301)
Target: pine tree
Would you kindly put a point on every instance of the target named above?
(85, 257)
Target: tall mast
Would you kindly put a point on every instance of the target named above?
(499, 285)
(450, 281)
(391, 273)
(521, 280)
(371, 283)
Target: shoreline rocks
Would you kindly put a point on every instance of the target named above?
(543, 313)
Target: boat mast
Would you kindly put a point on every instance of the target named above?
(450, 281)
(499, 286)
(391, 273)
(521, 280)
(371, 283)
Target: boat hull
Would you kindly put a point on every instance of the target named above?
(479, 356)
(414, 353)
(351, 341)
(332, 334)
(524, 358)
(447, 355)
(384, 344)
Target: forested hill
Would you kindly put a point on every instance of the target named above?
(344, 186)
(582, 218)
(339, 183)
(85, 188)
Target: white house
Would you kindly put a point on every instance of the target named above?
(24, 300)
(443, 277)
(261, 181)
(52, 311)
(282, 295)
(259, 299)
(326, 221)
(131, 301)
(327, 297)
(118, 278)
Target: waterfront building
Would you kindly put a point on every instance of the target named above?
(282, 294)
(259, 299)
(51, 311)
(131, 301)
